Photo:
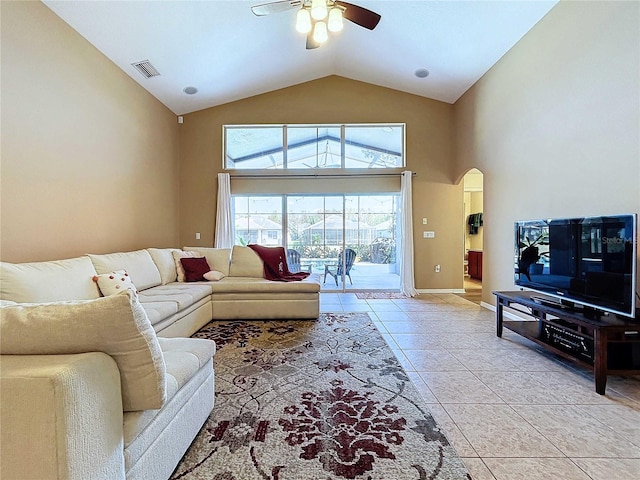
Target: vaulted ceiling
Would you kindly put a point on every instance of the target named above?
(227, 53)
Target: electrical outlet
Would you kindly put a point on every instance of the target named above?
(437, 268)
(424, 221)
(197, 235)
(428, 234)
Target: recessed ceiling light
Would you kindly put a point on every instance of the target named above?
(190, 90)
(422, 73)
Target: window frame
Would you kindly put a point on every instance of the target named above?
(311, 171)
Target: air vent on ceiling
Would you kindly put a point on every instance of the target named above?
(146, 69)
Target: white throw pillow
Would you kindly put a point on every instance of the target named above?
(116, 325)
(177, 255)
(214, 276)
(114, 282)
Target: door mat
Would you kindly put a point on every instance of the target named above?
(379, 295)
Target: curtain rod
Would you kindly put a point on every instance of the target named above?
(326, 175)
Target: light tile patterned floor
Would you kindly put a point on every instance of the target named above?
(511, 409)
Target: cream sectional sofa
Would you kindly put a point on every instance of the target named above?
(65, 406)
(175, 309)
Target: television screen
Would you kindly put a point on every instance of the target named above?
(589, 260)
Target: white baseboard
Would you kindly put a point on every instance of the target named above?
(488, 306)
(441, 290)
(507, 314)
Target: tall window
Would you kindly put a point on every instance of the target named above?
(320, 226)
(314, 146)
(258, 220)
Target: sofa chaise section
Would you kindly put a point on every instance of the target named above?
(244, 293)
(89, 391)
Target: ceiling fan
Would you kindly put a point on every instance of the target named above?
(315, 17)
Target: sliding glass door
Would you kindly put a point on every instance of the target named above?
(321, 228)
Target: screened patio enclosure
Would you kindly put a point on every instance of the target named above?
(312, 147)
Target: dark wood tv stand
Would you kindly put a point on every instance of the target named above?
(606, 344)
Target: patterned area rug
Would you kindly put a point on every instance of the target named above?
(322, 399)
(378, 295)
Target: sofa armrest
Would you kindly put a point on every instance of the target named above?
(116, 325)
(61, 417)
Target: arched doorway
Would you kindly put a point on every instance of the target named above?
(473, 229)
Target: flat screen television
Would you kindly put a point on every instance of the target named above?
(585, 262)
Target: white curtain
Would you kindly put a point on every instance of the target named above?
(224, 221)
(407, 282)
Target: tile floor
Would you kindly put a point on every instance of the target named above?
(364, 276)
(511, 410)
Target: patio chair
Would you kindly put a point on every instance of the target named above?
(293, 262)
(349, 258)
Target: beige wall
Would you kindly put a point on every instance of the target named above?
(338, 100)
(89, 158)
(555, 126)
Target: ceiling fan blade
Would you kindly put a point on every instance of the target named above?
(311, 43)
(360, 15)
(275, 7)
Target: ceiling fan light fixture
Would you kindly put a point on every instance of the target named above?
(335, 22)
(320, 34)
(319, 9)
(316, 18)
(303, 21)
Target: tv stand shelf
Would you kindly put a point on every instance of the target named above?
(606, 344)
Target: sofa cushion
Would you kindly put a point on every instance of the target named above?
(53, 281)
(195, 268)
(252, 285)
(163, 258)
(142, 429)
(159, 310)
(182, 294)
(178, 255)
(185, 356)
(245, 263)
(114, 282)
(138, 264)
(116, 325)
(217, 258)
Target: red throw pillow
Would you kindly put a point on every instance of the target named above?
(194, 269)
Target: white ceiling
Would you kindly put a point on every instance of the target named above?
(228, 53)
